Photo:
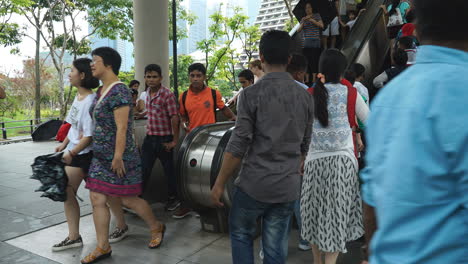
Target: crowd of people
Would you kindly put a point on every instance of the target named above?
(298, 146)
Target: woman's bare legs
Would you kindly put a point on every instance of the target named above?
(330, 258)
(317, 254)
(101, 217)
(143, 210)
(72, 208)
(115, 204)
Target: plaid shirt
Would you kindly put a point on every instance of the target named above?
(160, 109)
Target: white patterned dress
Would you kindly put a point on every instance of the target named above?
(331, 207)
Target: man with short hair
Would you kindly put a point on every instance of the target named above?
(246, 78)
(297, 67)
(270, 139)
(417, 157)
(197, 108)
(162, 132)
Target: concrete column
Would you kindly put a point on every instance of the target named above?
(151, 25)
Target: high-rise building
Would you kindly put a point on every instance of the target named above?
(197, 31)
(123, 47)
(253, 7)
(273, 14)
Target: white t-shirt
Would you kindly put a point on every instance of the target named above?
(351, 23)
(302, 85)
(143, 96)
(362, 90)
(82, 124)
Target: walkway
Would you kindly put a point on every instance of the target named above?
(31, 224)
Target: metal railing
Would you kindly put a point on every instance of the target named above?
(31, 125)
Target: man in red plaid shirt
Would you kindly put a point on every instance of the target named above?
(162, 131)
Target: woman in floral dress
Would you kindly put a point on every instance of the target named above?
(115, 171)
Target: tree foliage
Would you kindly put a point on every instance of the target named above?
(183, 62)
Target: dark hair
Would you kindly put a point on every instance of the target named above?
(298, 63)
(451, 23)
(109, 57)
(332, 64)
(153, 67)
(395, 4)
(350, 76)
(83, 65)
(358, 69)
(247, 74)
(133, 82)
(410, 16)
(352, 12)
(400, 57)
(275, 46)
(197, 67)
(407, 42)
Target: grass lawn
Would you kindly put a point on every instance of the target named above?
(23, 131)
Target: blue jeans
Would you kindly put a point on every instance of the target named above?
(275, 228)
(153, 149)
(297, 214)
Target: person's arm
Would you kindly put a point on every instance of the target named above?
(141, 106)
(228, 113)
(62, 146)
(318, 23)
(171, 108)
(225, 110)
(121, 121)
(362, 110)
(183, 115)
(2, 93)
(380, 80)
(240, 140)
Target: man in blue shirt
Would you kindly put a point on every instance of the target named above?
(417, 174)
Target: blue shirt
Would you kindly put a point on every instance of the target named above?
(417, 174)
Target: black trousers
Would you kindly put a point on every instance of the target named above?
(153, 149)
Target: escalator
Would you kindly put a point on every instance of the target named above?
(367, 43)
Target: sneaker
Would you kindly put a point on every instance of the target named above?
(67, 243)
(304, 247)
(118, 234)
(261, 254)
(181, 213)
(172, 205)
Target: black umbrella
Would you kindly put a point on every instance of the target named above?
(325, 8)
(46, 130)
(50, 171)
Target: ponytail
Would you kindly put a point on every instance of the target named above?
(395, 5)
(321, 102)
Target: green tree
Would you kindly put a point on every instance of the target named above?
(183, 62)
(10, 33)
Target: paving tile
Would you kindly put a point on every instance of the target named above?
(24, 257)
(211, 255)
(6, 249)
(6, 191)
(14, 224)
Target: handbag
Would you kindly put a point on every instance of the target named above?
(396, 19)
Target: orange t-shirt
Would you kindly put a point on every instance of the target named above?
(200, 107)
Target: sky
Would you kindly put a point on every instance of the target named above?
(14, 62)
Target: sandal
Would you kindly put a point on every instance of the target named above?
(91, 258)
(156, 242)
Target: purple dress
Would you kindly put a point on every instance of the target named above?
(101, 178)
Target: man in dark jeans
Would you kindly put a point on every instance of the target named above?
(269, 143)
(162, 131)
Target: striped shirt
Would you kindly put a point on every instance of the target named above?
(160, 109)
(312, 31)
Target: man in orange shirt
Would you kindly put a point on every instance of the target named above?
(197, 108)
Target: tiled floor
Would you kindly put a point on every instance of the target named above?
(31, 224)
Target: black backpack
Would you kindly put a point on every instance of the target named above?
(213, 94)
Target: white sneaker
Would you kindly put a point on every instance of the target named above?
(304, 247)
(260, 254)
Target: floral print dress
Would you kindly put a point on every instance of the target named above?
(101, 178)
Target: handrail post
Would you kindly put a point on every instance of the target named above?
(4, 131)
(31, 123)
